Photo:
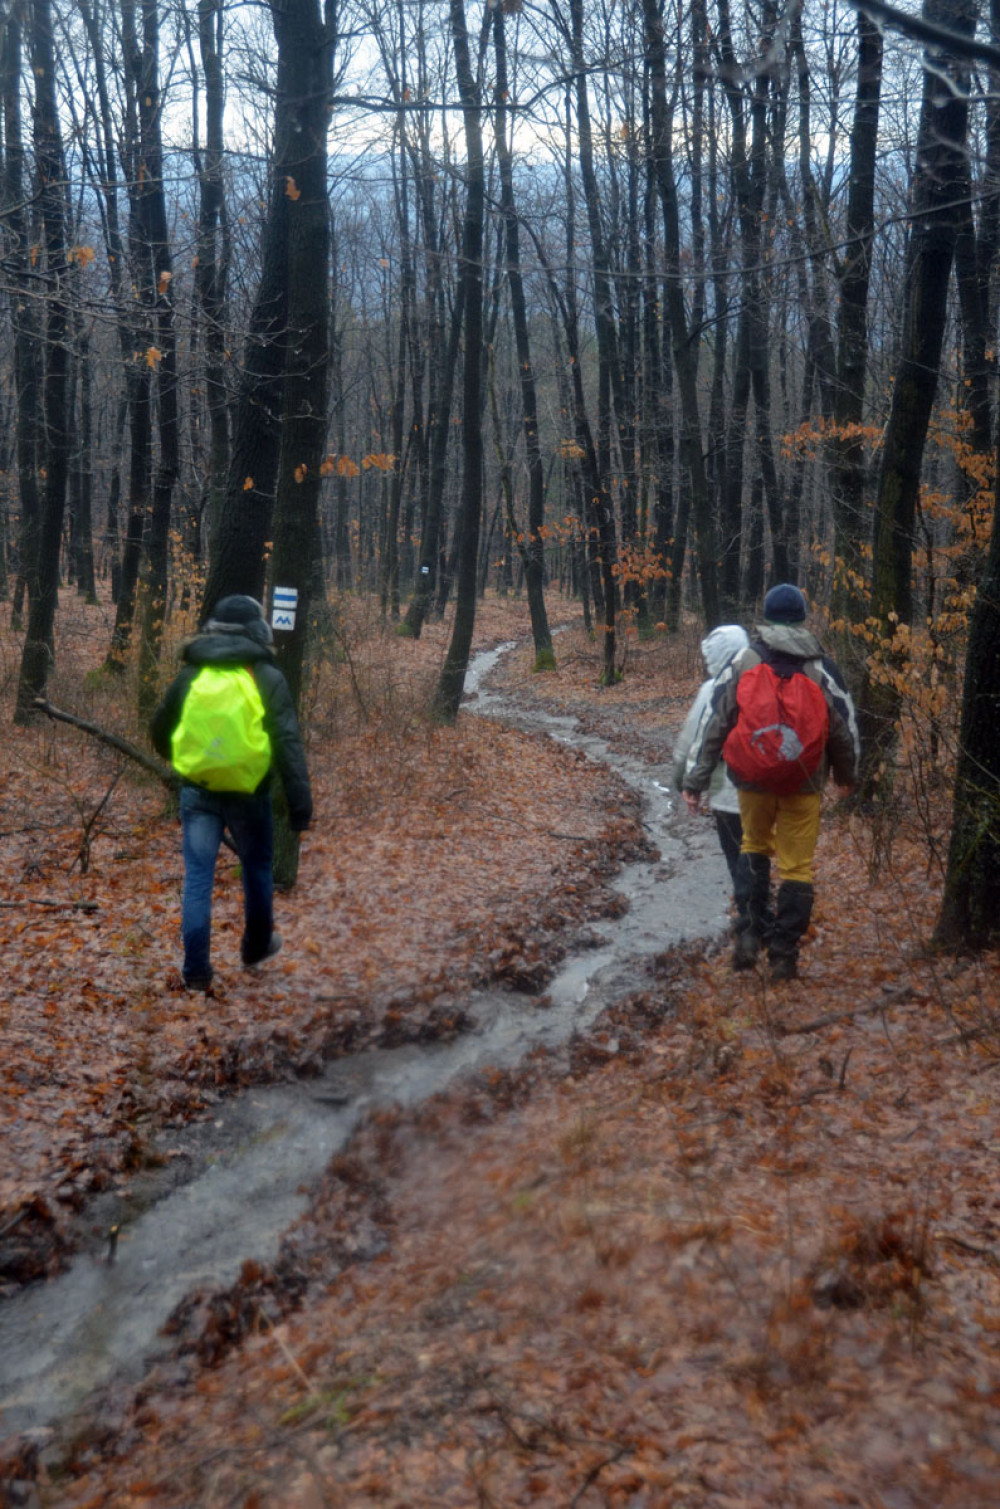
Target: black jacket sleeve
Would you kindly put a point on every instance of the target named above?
(168, 714)
(282, 727)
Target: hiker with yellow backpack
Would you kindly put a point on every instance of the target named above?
(227, 721)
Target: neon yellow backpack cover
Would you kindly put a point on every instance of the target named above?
(220, 742)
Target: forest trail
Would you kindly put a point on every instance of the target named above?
(222, 1192)
(734, 1244)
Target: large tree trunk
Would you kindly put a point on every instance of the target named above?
(937, 182)
(970, 911)
(306, 40)
(237, 549)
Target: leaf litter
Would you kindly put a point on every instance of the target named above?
(737, 1247)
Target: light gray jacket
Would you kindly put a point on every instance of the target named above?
(718, 648)
(786, 647)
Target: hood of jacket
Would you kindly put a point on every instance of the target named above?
(790, 639)
(227, 644)
(721, 645)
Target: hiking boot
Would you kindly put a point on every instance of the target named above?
(249, 960)
(198, 982)
(791, 923)
(784, 967)
(746, 950)
(752, 893)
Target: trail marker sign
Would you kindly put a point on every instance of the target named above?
(284, 602)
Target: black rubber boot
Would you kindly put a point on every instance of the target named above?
(753, 901)
(250, 957)
(795, 904)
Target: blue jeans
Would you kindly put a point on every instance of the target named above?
(205, 815)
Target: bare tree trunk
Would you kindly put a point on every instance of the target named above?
(533, 553)
(970, 911)
(439, 417)
(343, 571)
(214, 254)
(156, 252)
(685, 350)
(86, 584)
(137, 342)
(452, 679)
(846, 450)
(28, 370)
(132, 335)
(749, 176)
(37, 654)
(941, 147)
(610, 395)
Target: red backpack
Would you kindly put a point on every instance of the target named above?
(780, 732)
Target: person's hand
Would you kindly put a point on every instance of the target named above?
(692, 800)
(843, 793)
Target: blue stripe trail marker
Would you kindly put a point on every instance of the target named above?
(284, 603)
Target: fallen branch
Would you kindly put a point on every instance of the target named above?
(14, 1221)
(123, 746)
(596, 1470)
(896, 998)
(985, 1252)
(114, 741)
(74, 906)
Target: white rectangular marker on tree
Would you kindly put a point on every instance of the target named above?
(284, 602)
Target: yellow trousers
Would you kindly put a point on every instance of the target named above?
(786, 827)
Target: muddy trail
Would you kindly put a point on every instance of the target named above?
(221, 1193)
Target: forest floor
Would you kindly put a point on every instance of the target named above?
(739, 1248)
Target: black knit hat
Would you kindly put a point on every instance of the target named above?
(237, 609)
(785, 604)
(241, 615)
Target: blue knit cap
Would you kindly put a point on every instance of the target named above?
(785, 604)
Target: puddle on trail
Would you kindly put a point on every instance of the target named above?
(62, 1340)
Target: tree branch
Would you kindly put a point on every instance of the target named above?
(935, 35)
(73, 906)
(114, 741)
